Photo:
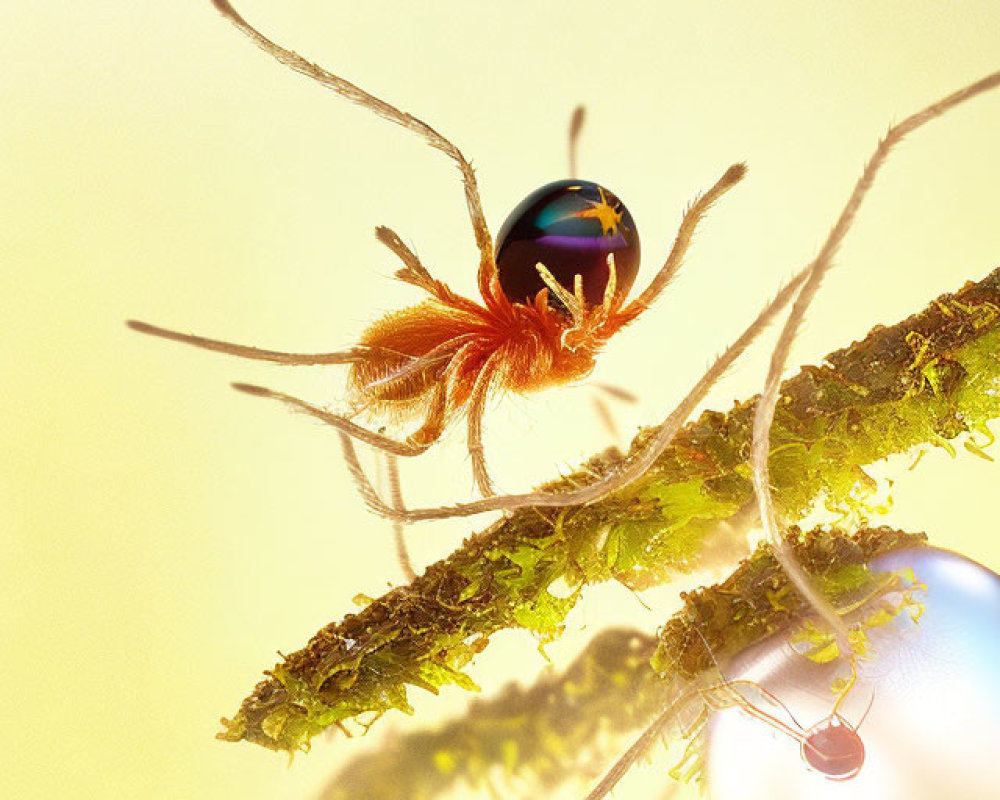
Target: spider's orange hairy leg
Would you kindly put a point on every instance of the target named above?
(477, 407)
(349, 356)
(398, 533)
(347, 90)
(764, 415)
(433, 357)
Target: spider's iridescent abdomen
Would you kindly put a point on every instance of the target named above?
(570, 226)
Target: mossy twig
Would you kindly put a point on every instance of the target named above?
(928, 379)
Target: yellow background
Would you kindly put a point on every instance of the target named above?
(161, 536)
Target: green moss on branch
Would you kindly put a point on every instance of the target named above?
(568, 723)
(928, 379)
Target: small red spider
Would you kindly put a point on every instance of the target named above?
(552, 294)
(832, 747)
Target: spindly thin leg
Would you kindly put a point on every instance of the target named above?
(432, 359)
(682, 241)
(346, 89)
(477, 408)
(396, 498)
(575, 126)
(637, 465)
(361, 482)
(764, 415)
(416, 443)
(639, 748)
(243, 351)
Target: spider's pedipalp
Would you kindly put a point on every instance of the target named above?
(571, 300)
(612, 286)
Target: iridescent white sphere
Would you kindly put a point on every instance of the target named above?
(933, 728)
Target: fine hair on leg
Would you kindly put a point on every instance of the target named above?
(685, 233)
(764, 415)
(347, 90)
(349, 356)
(417, 443)
(476, 411)
(398, 527)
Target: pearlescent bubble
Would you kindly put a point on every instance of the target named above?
(933, 729)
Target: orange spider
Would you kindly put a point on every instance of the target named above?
(551, 296)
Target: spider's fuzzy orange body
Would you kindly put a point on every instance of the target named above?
(440, 360)
(424, 362)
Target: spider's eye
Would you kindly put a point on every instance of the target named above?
(569, 226)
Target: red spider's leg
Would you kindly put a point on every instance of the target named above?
(243, 351)
(433, 357)
(415, 444)
(575, 126)
(682, 241)
(347, 90)
(396, 498)
(477, 407)
(433, 425)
